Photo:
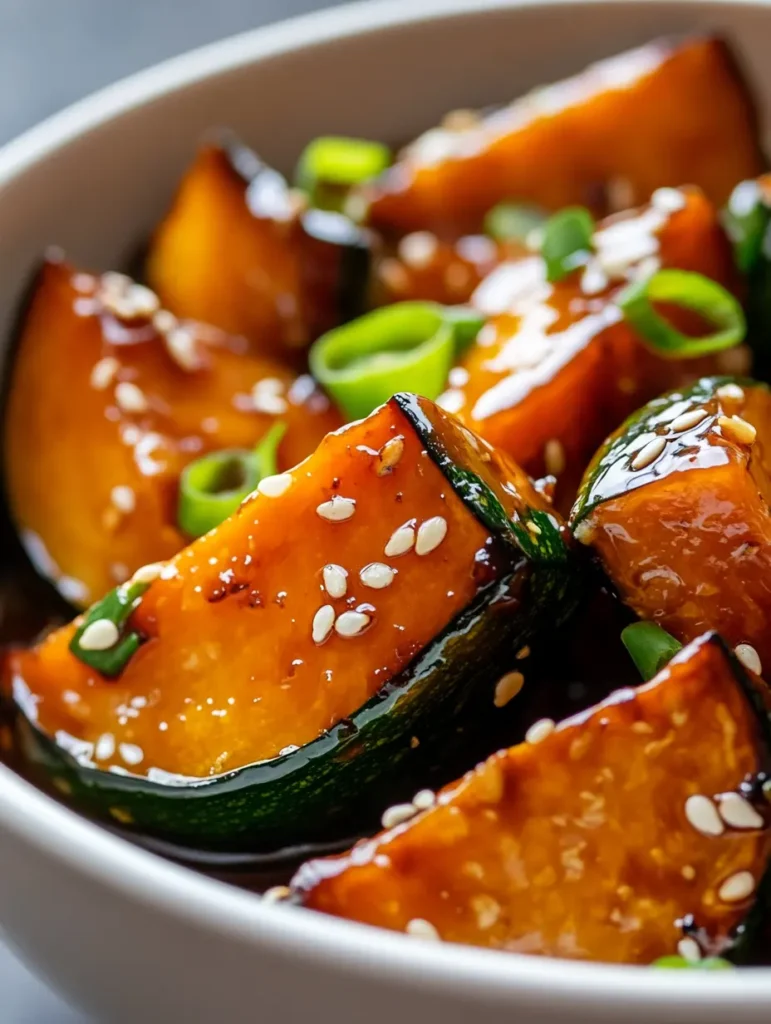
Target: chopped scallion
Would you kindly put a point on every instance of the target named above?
(331, 165)
(567, 241)
(513, 222)
(649, 646)
(115, 608)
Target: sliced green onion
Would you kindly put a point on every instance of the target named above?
(409, 346)
(649, 646)
(710, 963)
(690, 291)
(513, 222)
(746, 220)
(330, 165)
(115, 608)
(567, 241)
(212, 487)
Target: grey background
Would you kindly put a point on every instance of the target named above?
(53, 52)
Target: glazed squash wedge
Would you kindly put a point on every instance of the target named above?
(109, 398)
(557, 366)
(623, 127)
(676, 507)
(239, 249)
(634, 830)
(313, 652)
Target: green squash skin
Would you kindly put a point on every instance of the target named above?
(596, 487)
(339, 783)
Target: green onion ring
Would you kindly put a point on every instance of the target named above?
(331, 165)
(115, 607)
(710, 963)
(513, 222)
(746, 219)
(567, 241)
(649, 646)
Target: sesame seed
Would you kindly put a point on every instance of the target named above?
(419, 928)
(424, 799)
(730, 392)
(148, 573)
(507, 688)
(397, 815)
(737, 888)
(337, 509)
(539, 730)
(702, 815)
(594, 279)
(554, 457)
(389, 455)
(130, 398)
(123, 498)
(738, 812)
(275, 486)
(523, 652)
(737, 429)
(648, 453)
(401, 541)
(267, 396)
(451, 400)
(350, 624)
(164, 321)
(131, 753)
(430, 535)
(689, 950)
(749, 657)
(377, 575)
(105, 747)
(688, 872)
(276, 894)
(418, 249)
(103, 373)
(335, 580)
(323, 621)
(99, 635)
(668, 200)
(487, 911)
(687, 420)
(182, 347)
(460, 120)
(584, 532)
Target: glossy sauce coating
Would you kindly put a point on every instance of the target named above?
(633, 123)
(579, 843)
(289, 616)
(110, 399)
(556, 367)
(686, 538)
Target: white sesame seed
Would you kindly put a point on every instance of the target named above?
(687, 420)
(103, 373)
(123, 498)
(335, 580)
(554, 457)
(105, 747)
(419, 928)
(688, 872)
(418, 249)
(737, 888)
(749, 657)
(276, 894)
(182, 346)
(689, 950)
(668, 200)
(594, 279)
(131, 753)
(738, 812)
(737, 429)
(584, 532)
(731, 392)
(323, 621)
(648, 453)
(703, 816)
(507, 688)
(424, 799)
(451, 400)
(130, 398)
(487, 910)
(267, 396)
(337, 509)
(397, 815)
(389, 455)
(164, 321)
(169, 572)
(275, 486)
(377, 575)
(350, 624)
(99, 635)
(401, 541)
(430, 535)
(539, 730)
(148, 573)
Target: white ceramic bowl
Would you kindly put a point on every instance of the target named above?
(124, 934)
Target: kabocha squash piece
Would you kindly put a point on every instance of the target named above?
(676, 506)
(632, 831)
(614, 133)
(313, 652)
(109, 399)
(557, 366)
(239, 249)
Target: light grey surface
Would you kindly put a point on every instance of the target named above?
(53, 52)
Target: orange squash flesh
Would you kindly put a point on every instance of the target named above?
(629, 124)
(230, 673)
(69, 443)
(686, 539)
(238, 250)
(556, 367)
(579, 846)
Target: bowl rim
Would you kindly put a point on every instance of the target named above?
(335, 945)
